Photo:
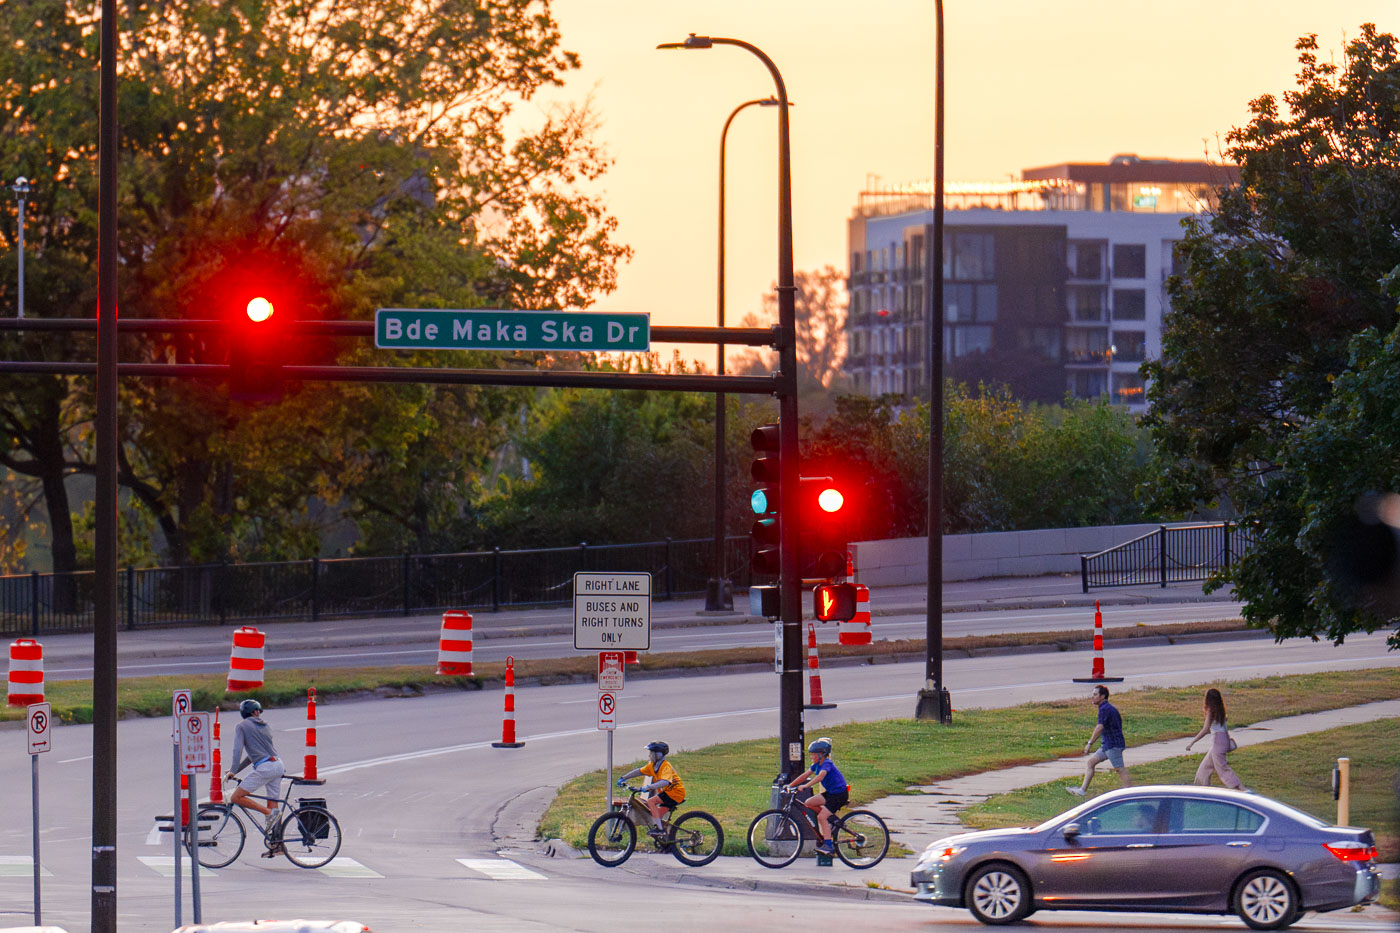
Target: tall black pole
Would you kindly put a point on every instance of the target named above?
(934, 701)
(720, 597)
(104, 648)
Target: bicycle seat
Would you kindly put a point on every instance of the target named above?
(296, 779)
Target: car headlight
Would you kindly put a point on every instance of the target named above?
(938, 854)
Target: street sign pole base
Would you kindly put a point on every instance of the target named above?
(507, 744)
(934, 704)
(818, 705)
(1097, 680)
(719, 596)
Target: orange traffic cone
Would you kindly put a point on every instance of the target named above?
(508, 721)
(814, 676)
(1096, 674)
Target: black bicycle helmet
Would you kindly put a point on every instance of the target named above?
(249, 708)
(822, 745)
(661, 748)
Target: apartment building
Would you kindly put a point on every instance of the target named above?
(1053, 284)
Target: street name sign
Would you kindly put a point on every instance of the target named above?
(196, 748)
(607, 712)
(40, 721)
(610, 671)
(493, 329)
(612, 611)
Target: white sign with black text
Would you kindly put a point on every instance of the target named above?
(196, 745)
(40, 720)
(607, 711)
(612, 611)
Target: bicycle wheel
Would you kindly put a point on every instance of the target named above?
(774, 839)
(221, 835)
(310, 837)
(612, 839)
(862, 839)
(696, 838)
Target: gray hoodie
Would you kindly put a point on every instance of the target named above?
(252, 742)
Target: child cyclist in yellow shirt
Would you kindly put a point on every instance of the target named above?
(665, 787)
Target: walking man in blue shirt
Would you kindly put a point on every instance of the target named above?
(1110, 727)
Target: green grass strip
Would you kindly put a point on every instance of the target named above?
(881, 758)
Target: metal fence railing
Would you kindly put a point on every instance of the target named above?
(401, 585)
(1171, 554)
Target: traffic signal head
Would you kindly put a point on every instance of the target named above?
(765, 500)
(834, 602)
(821, 509)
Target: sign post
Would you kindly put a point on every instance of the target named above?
(196, 757)
(40, 720)
(607, 721)
(179, 705)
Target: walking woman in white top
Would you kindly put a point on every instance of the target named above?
(1219, 744)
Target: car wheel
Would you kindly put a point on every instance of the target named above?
(998, 893)
(1265, 900)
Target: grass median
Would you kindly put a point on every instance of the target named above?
(1297, 771)
(881, 758)
(71, 700)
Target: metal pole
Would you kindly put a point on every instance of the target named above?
(719, 598)
(34, 783)
(610, 770)
(104, 681)
(177, 829)
(21, 189)
(194, 845)
(934, 701)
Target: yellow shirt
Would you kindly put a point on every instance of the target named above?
(664, 772)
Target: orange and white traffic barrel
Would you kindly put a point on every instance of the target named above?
(857, 630)
(309, 771)
(245, 666)
(455, 644)
(26, 682)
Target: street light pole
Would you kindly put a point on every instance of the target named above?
(21, 190)
(720, 598)
(790, 753)
(934, 700)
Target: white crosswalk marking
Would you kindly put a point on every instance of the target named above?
(21, 866)
(165, 865)
(343, 867)
(501, 869)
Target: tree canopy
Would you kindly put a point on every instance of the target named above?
(1260, 346)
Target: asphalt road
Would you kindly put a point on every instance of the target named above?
(418, 787)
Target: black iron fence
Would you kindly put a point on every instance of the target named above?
(1171, 554)
(307, 590)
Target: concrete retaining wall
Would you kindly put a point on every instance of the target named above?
(897, 561)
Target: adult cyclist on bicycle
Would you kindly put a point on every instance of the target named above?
(252, 744)
(834, 792)
(665, 790)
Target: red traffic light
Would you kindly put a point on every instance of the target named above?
(830, 499)
(259, 309)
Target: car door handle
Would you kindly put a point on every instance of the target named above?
(1238, 845)
(1142, 845)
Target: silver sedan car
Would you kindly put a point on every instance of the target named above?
(1168, 848)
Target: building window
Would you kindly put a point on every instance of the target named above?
(1129, 346)
(1086, 302)
(962, 341)
(1129, 304)
(1088, 261)
(916, 255)
(855, 264)
(969, 256)
(1129, 261)
(1042, 341)
(1086, 345)
(1128, 388)
(965, 303)
(1088, 383)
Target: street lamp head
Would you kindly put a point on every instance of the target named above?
(693, 42)
(21, 186)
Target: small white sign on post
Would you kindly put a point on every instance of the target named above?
(196, 746)
(179, 705)
(778, 648)
(607, 711)
(612, 611)
(40, 719)
(611, 666)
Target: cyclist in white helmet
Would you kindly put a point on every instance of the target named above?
(833, 792)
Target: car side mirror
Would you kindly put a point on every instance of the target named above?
(1070, 830)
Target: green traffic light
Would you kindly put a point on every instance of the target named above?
(759, 502)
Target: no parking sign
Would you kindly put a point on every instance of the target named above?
(39, 719)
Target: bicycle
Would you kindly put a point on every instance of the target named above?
(309, 836)
(776, 837)
(694, 837)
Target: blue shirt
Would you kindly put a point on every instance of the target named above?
(1112, 726)
(833, 781)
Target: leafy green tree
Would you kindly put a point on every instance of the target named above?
(821, 324)
(1275, 286)
(367, 155)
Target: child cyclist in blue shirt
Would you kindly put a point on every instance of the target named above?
(834, 792)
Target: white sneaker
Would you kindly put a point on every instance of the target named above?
(1076, 790)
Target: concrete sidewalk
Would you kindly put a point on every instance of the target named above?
(423, 629)
(919, 819)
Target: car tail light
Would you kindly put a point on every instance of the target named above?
(1351, 851)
